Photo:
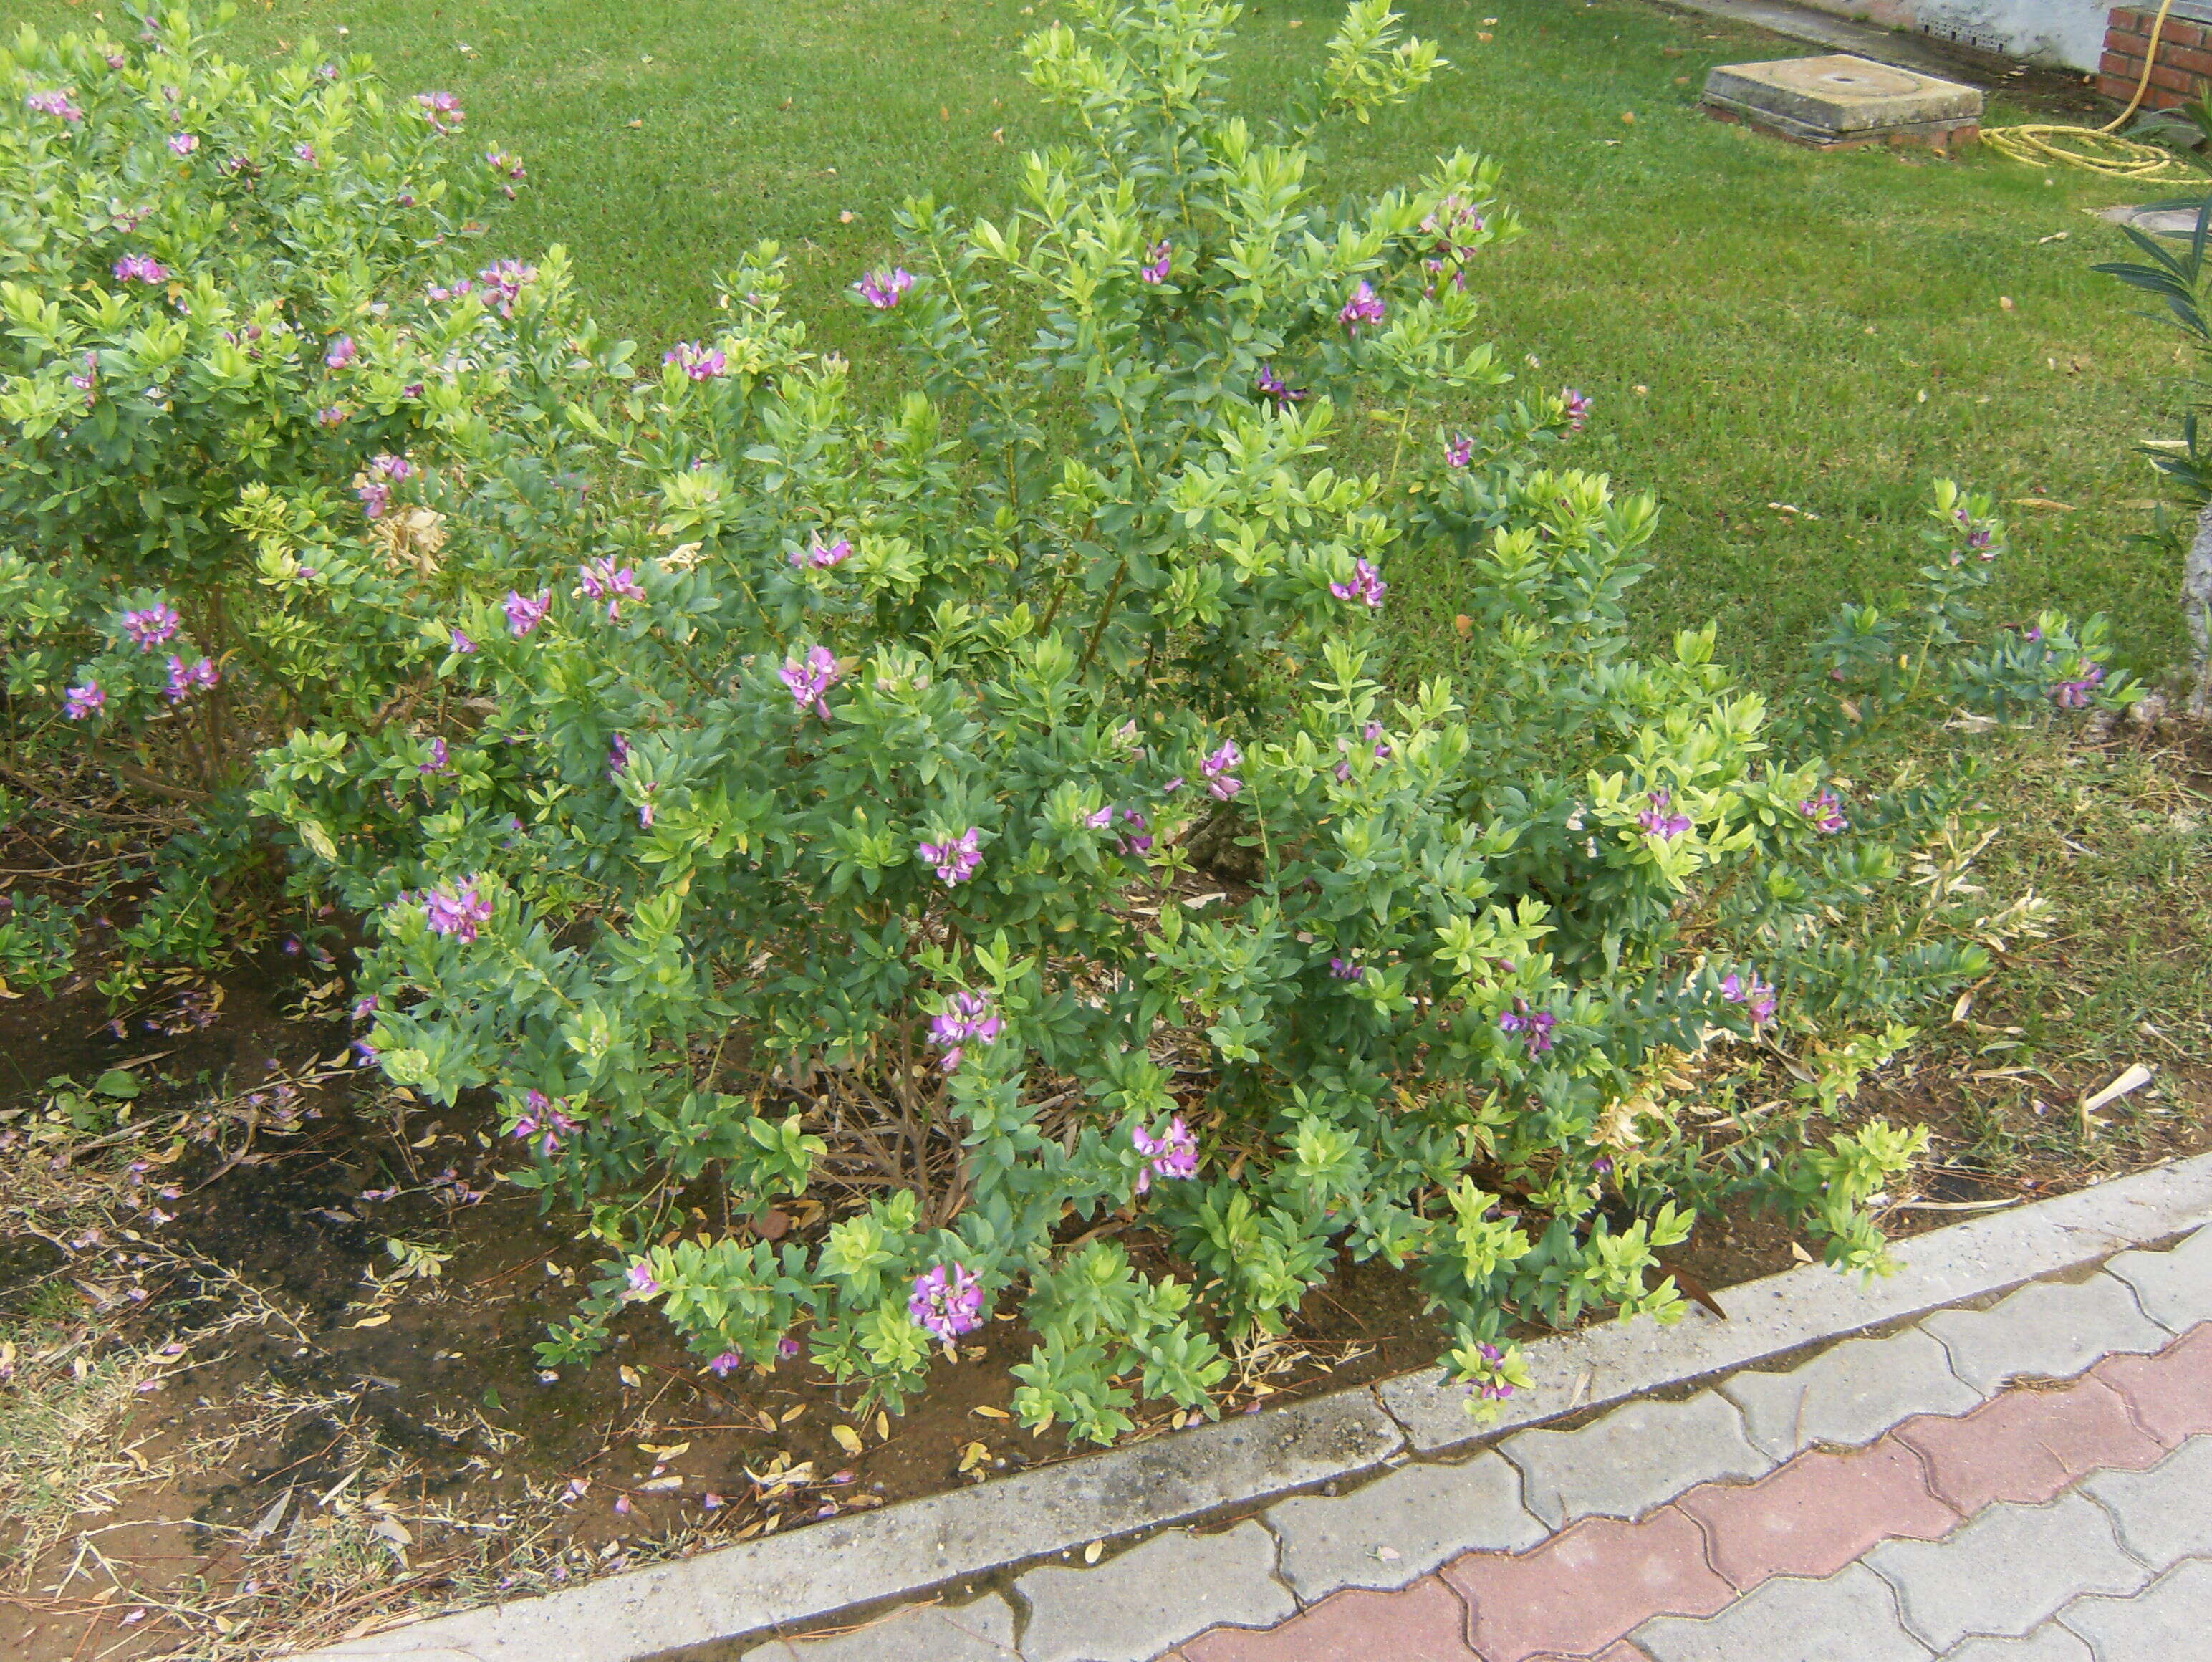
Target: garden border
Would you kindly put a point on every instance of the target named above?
(706, 1604)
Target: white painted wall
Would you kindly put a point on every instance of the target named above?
(2064, 33)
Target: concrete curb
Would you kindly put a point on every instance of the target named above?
(750, 1591)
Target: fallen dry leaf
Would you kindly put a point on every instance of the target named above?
(848, 1439)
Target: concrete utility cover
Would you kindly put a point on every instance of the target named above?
(1842, 100)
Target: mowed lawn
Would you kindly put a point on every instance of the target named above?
(1759, 324)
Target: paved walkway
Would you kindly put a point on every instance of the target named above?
(2031, 1482)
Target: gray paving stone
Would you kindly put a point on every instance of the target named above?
(1849, 1395)
(1614, 1361)
(2171, 1620)
(2175, 1287)
(2048, 1643)
(1418, 1516)
(1640, 1455)
(1850, 1617)
(2164, 1514)
(912, 1547)
(2048, 1331)
(980, 1632)
(1131, 1608)
(2005, 1571)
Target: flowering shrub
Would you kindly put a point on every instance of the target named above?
(238, 315)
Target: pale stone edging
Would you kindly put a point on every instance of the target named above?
(909, 1549)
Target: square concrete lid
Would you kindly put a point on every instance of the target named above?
(1841, 94)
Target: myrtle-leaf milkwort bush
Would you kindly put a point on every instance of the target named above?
(988, 803)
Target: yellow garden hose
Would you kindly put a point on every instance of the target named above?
(2098, 150)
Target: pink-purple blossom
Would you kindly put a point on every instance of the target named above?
(87, 382)
(724, 1364)
(462, 644)
(150, 627)
(1272, 386)
(698, 361)
(968, 1020)
(184, 143)
(1365, 306)
(947, 1302)
(55, 103)
(1366, 588)
(1825, 811)
(810, 679)
(184, 679)
(954, 860)
(1220, 770)
(458, 914)
(1344, 970)
(1173, 1153)
(503, 283)
(1577, 406)
(342, 352)
(1161, 256)
(1137, 835)
(1754, 994)
(1460, 451)
(1537, 1024)
(642, 1284)
(438, 762)
(543, 1118)
(140, 268)
(786, 1346)
(617, 757)
(883, 289)
(2077, 693)
(822, 556)
(524, 612)
(442, 111)
(1658, 821)
(602, 580)
(84, 701)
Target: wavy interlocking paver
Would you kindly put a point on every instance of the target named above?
(2047, 1331)
(2048, 1643)
(1850, 1616)
(1817, 1513)
(980, 1632)
(1424, 1622)
(2027, 1446)
(1633, 1459)
(2164, 1514)
(2169, 1623)
(1849, 1395)
(2169, 1397)
(1401, 1526)
(2174, 1287)
(1153, 1596)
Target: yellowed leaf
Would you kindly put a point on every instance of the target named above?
(1092, 1553)
(990, 1413)
(374, 1318)
(791, 1414)
(848, 1439)
(883, 1428)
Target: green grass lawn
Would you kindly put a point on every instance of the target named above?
(1824, 331)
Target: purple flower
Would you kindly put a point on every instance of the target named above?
(1826, 812)
(882, 289)
(1161, 257)
(184, 681)
(331, 415)
(500, 162)
(700, 362)
(1657, 822)
(375, 498)
(1578, 406)
(55, 104)
(543, 1118)
(1983, 542)
(503, 284)
(786, 1346)
(955, 859)
(724, 1364)
(150, 628)
(2076, 694)
(391, 467)
(1138, 840)
(822, 556)
(1365, 306)
(1754, 993)
(1272, 386)
(1455, 224)
(1366, 587)
(947, 1302)
(442, 111)
(459, 913)
(641, 1282)
(438, 762)
(184, 143)
(140, 268)
(88, 382)
(343, 351)
(1102, 820)
(1537, 1024)
(968, 1018)
(306, 153)
(602, 580)
(618, 757)
(1173, 1154)
(1217, 767)
(811, 678)
(1459, 452)
(524, 612)
(1344, 970)
(84, 701)
(365, 1007)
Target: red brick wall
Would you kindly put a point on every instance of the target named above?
(2184, 59)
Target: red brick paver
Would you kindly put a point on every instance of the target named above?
(2027, 1446)
(1588, 1587)
(2169, 1394)
(1817, 1513)
(1424, 1622)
